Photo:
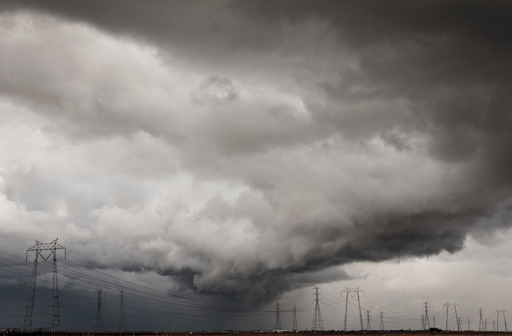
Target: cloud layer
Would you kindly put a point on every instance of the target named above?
(245, 148)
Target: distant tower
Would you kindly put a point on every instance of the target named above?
(98, 323)
(121, 320)
(457, 320)
(317, 324)
(381, 322)
(427, 318)
(498, 319)
(38, 248)
(278, 318)
(294, 323)
(368, 323)
(481, 326)
(352, 292)
(433, 321)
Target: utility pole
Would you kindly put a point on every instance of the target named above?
(381, 322)
(98, 322)
(294, 324)
(317, 324)
(121, 319)
(352, 292)
(278, 318)
(38, 248)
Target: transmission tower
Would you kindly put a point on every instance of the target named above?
(498, 319)
(121, 320)
(427, 319)
(481, 326)
(368, 324)
(381, 322)
(352, 292)
(98, 322)
(38, 248)
(294, 323)
(457, 320)
(278, 318)
(317, 324)
(433, 321)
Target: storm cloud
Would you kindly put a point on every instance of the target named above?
(245, 148)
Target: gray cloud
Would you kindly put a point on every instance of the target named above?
(215, 144)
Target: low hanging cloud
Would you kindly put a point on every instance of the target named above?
(239, 163)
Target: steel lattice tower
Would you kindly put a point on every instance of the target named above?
(381, 322)
(481, 326)
(121, 319)
(498, 319)
(427, 319)
(294, 323)
(38, 248)
(368, 323)
(318, 324)
(457, 320)
(278, 318)
(98, 322)
(353, 292)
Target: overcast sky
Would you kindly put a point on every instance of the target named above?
(212, 158)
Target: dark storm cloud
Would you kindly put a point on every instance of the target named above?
(399, 146)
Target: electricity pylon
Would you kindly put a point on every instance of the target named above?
(352, 292)
(368, 323)
(121, 320)
(98, 322)
(457, 320)
(498, 319)
(381, 322)
(318, 324)
(294, 323)
(427, 319)
(278, 318)
(38, 248)
(481, 326)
